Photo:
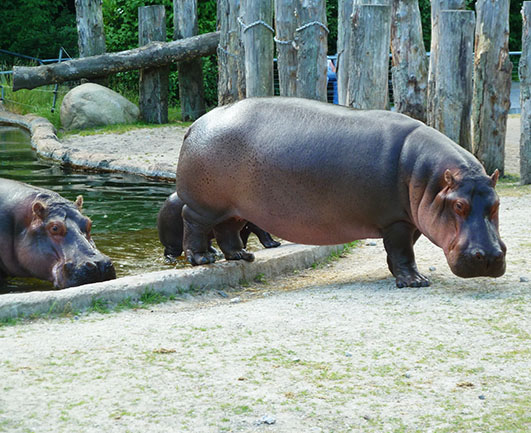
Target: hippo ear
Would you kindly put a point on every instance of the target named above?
(79, 202)
(449, 178)
(39, 210)
(494, 177)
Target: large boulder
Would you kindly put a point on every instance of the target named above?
(90, 105)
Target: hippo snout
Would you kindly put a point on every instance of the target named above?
(480, 262)
(90, 271)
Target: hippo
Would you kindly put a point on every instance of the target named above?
(316, 173)
(170, 228)
(45, 236)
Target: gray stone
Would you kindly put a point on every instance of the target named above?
(90, 105)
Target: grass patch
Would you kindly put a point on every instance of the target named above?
(336, 255)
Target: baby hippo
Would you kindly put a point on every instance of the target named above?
(45, 236)
(170, 227)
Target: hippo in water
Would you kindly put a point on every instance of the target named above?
(317, 173)
(170, 228)
(45, 236)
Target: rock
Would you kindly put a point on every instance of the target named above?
(235, 300)
(524, 279)
(90, 105)
(432, 268)
(266, 419)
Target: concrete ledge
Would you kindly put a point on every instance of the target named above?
(269, 262)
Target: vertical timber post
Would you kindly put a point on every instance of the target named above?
(492, 83)
(257, 36)
(524, 72)
(231, 66)
(436, 7)
(153, 86)
(191, 91)
(369, 57)
(453, 76)
(285, 24)
(410, 63)
(311, 36)
(90, 31)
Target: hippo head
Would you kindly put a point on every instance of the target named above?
(466, 225)
(56, 244)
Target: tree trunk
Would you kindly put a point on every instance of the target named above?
(231, 66)
(153, 88)
(453, 77)
(344, 24)
(436, 7)
(369, 57)
(286, 23)
(492, 83)
(524, 72)
(191, 92)
(90, 32)
(410, 63)
(152, 55)
(311, 37)
(257, 19)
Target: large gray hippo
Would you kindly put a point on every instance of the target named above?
(316, 173)
(45, 236)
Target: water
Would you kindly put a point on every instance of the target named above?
(123, 207)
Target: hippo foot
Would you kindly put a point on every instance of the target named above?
(196, 259)
(240, 255)
(169, 259)
(413, 279)
(271, 244)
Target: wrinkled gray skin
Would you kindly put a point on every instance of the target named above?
(170, 229)
(318, 173)
(43, 235)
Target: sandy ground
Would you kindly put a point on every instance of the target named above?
(332, 349)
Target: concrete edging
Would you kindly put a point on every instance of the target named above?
(269, 263)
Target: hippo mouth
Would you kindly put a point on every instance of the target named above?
(477, 263)
(69, 274)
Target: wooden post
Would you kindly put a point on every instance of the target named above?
(436, 7)
(285, 24)
(453, 77)
(524, 72)
(231, 66)
(153, 98)
(90, 32)
(191, 91)
(257, 35)
(410, 63)
(369, 57)
(311, 36)
(492, 83)
(344, 24)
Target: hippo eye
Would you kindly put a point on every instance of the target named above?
(460, 207)
(56, 229)
(494, 210)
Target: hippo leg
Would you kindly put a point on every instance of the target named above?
(399, 239)
(196, 238)
(264, 237)
(228, 238)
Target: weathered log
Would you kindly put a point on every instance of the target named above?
(453, 77)
(151, 55)
(257, 36)
(231, 65)
(285, 24)
(410, 63)
(153, 86)
(524, 72)
(436, 7)
(369, 57)
(492, 83)
(191, 91)
(90, 32)
(344, 23)
(311, 36)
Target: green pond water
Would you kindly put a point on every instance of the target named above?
(123, 207)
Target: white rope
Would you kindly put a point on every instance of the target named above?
(256, 23)
(313, 23)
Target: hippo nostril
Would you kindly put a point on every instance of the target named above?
(107, 269)
(69, 268)
(499, 256)
(479, 255)
(90, 266)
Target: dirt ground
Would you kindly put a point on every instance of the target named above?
(337, 348)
